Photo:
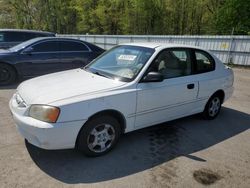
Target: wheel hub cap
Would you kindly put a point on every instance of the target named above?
(214, 107)
(101, 138)
(4, 74)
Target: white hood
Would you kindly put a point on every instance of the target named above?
(49, 88)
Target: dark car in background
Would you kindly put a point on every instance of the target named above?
(45, 55)
(12, 37)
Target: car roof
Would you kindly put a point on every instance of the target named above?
(154, 45)
(37, 39)
(55, 38)
(26, 30)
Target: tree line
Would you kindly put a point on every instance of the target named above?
(145, 17)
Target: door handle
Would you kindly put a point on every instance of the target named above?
(190, 86)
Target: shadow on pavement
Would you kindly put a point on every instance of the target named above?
(143, 149)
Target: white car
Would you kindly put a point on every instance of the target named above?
(129, 87)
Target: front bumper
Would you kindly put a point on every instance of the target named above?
(61, 135)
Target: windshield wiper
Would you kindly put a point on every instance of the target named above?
(101, 74)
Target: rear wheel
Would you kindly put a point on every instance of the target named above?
(7, 74)
(99, 136)
(212, 108)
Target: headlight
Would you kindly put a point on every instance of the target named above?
(44, 113)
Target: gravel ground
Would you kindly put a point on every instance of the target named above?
(189, 152)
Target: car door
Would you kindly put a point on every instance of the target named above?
(74, 54)
(40, 58)
(175, 96)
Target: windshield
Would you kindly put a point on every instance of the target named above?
(22, 45)
(121, 62)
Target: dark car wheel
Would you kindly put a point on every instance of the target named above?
(7, 74)
(98, 136)
(212, 108)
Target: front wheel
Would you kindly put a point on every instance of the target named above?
(212, 108)
(99, 136)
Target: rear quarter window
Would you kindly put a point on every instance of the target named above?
(204, 62)
(72, 46)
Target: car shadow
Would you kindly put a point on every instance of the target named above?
(142, 149)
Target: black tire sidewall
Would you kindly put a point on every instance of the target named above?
(88, 127)
(12, 73)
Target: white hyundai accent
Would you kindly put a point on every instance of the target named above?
(129, 87)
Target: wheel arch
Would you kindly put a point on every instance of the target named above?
(12, 66)
(110, 112)
(220, 93)
(14, 69)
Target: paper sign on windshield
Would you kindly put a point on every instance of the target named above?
(127, 57)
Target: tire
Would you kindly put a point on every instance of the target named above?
(7, 74)
(212, 108)
(98, 136)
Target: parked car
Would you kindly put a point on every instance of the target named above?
(129, 87)
(44, 55)
(12, 37)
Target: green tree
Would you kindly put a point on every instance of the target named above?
(155, 17)
(234, 14)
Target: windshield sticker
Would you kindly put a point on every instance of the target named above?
(127, 57)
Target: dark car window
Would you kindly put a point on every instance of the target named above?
(28, 36)
(47, 46)
(13, 36)
(69, 46)
(172, 63)
(204, 62)
(1, 37)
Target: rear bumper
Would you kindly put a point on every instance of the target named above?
(46, 135)
(228, 93)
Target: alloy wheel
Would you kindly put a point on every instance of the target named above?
(214, 106)
(101, 138)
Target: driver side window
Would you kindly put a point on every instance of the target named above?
(172, 63)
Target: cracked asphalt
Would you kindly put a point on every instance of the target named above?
(189, 152)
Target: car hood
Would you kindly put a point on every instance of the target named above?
(67, 84)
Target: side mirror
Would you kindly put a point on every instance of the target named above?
(153, 77)
(28, 51)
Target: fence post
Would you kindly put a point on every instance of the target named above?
(230, 47)
(197, 42)
(117, 40)
(94, 39)
(230, 50)
(131, 39)
(105, 41)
